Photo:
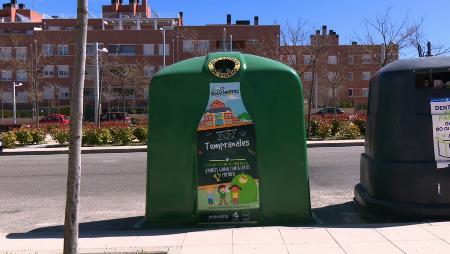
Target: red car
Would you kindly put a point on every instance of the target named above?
(55, 119)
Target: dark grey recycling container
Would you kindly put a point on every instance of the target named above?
(405, 169)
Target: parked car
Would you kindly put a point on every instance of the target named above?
(55, 119)
(1, 146)
(115, 117)
(329, 111)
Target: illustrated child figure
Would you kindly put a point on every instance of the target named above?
(210, 197)
(235, 193)
(222, 189)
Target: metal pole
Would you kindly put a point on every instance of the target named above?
(224, 39)
(164, 48)
(2, 108)
(231, 42)
(97, 87)
(14, 102)
(173, 51)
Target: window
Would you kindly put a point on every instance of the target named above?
(202, 45)
(48, 49)
(90, 72)
(291, 59)
(48, 71)
(63, 71)
(5, 53)
(161, 49)
(188, 46)
(63, 49)
(49, 93)
(351, 59)
(307, 76)
(307, 59)
(365, 92)
(332, 59)
(350, 92)
(54, 28)
(21, 76)
(21, 53)
(149, 71)
(332, 76)
(350, 76)
(149, 49)
(366, 75)
(22, 97)
(124, 50)
(366, 59)
(6, 75)
(64, 93)
(90, 48)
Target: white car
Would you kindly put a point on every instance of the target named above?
(1, 146)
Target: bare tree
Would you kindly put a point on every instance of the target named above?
(384, 32)
(76, 113)
(32, 65)
(126, 77)
(422, 45)
(304, 54)
(336, 78)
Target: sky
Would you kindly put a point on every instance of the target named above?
(343, 16)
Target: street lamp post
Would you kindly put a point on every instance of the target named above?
(14, 100)
(97, 84)
(163, 29)
(164, 46)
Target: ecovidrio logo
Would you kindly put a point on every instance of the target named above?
(224, 67)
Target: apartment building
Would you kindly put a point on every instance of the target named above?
(38, 51)
(340, 72)
(138, 41)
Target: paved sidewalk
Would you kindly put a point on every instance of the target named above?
(42, 150)
(379, 238)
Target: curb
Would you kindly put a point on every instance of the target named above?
(88, 150)
(312, 144)
(66, 151)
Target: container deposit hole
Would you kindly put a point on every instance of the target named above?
(224, 65)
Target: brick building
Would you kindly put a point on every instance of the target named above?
(341, 72)
(38, 51)
(133, 34)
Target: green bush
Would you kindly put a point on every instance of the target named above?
(348, 130)
(141, 133)
(122, 135)
(96, 136)
(38, 135)
(24, 136)
(8, 139)
(61, 135)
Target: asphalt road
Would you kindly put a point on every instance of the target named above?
(32, 189)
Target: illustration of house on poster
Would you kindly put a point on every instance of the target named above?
(225, 109)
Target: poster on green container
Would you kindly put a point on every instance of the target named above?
(227, 179)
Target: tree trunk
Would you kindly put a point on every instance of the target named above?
(310, 100)
(76, 113)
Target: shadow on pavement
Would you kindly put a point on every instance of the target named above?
(344, 215)
(109, 228)
(349, 215)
